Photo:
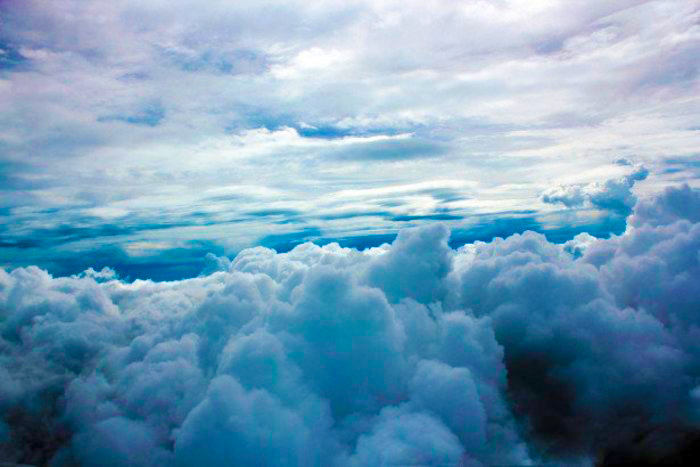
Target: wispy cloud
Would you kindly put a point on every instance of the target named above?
(134, 110)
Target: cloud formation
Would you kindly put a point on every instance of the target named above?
(514, 351)
(137, 122)
(614, 194)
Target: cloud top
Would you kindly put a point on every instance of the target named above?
(614, 194)
(514, 351)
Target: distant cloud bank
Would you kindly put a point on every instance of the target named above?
(512, 352)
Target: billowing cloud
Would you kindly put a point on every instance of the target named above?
(672, 205)
(614, 194)
(514, 351)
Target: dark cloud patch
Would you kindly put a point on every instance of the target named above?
(150, 115)
(390, 150)
(10, 58)
(323, 132)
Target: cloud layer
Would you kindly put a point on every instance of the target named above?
(144, 125)
(514, 351)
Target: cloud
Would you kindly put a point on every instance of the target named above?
(408, 438)
(415, 267)
(259, 428)
(613, 195)
(397, 149)
(161, 105)
(512, 351)
(568, 195)
(150, 115)
(672, 205)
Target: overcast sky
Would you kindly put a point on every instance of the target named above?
(152, 132)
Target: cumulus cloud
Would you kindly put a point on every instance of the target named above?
(613, 194)
(672, 205)
(515, 351)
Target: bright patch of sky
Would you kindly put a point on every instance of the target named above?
(149, 132)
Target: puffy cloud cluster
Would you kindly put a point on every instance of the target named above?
(516, 351)
(614, 194)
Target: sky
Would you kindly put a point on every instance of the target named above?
(348, 234)
(142, 135)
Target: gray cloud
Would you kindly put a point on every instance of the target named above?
(398, 149)
(672, 205)
(614, 194)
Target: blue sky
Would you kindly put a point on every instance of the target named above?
(149, 133)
